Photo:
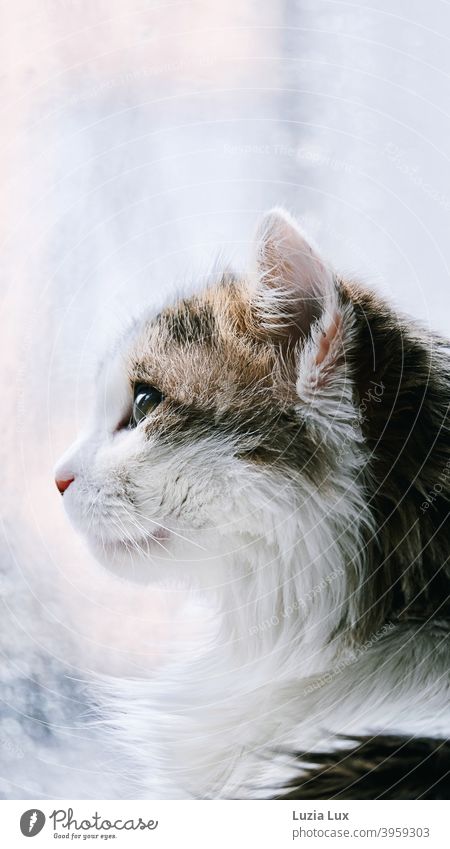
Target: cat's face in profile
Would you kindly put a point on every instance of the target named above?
(214, 419)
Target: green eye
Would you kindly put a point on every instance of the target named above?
(146, 399)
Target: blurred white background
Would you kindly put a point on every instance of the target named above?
(138, 139)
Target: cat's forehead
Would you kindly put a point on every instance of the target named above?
(211, 314)
(206, 338)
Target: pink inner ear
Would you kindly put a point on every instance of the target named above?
(329, 336)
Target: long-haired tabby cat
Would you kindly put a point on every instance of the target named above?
(274, 449)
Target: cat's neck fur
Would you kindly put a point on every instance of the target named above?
(278, 611)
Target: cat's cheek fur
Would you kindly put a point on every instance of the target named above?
(140, 503)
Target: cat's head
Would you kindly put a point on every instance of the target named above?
(225, 421)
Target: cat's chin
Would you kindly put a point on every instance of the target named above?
(140, 562)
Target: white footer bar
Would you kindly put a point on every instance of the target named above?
(222, 824)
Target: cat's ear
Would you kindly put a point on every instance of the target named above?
(292, 281)
(296, 297)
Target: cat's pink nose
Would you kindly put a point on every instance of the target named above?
(63, 484)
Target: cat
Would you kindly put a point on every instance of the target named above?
(273, 450)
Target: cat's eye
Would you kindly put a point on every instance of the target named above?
(146, 399)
